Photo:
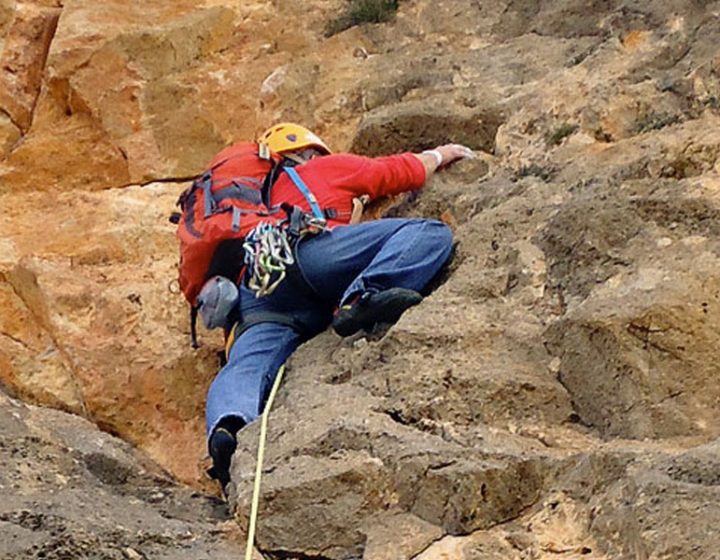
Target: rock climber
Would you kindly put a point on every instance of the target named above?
(352, 276)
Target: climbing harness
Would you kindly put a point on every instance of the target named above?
(258, 467)
(269, 246)
(267, 255)
(269, 250)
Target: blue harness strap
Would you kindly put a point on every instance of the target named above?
(303, 188)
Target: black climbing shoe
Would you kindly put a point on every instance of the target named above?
(222, 446)
(372, 308)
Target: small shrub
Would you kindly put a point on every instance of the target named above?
(545, 173)
(654, 121)
(563, 131)
(713, 102)
(362, 11)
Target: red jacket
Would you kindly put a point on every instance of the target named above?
(336, 179)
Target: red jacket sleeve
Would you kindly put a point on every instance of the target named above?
(373, 176)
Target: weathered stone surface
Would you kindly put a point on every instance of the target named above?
(637, 350)
(71, 491)
(86, 329)
(9, 133)
(330, 498)
(486, 345)
(185, 82)
(133, 122)
(475, 495)
(333, 439)
(419, 125)
(26, 32)
(32, 364)
(398, 536)
(25, 50)
(666, 510)
(7, 10)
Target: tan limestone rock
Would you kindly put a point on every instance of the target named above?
(24, 53)
(400, 536)
(185, 82)
(67, 488)
(125, 121)
(9, 134)
(95, 304)
(662, 507)
(561, 321)
(31, 363)
(7, 10)
(645, 359)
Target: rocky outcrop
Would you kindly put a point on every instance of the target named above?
(86, 318)
(25, 49)
(554, 395)
(70, 491)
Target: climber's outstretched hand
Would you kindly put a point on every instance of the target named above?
(442, 156)
(454, 152)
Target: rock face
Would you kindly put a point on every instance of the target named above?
(70, 491)
(554, 397)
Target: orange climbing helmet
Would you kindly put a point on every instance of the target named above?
(287, 137)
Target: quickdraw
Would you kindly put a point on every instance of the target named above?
(269, 247)
(268, 253)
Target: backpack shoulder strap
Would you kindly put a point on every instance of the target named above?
(306, 192)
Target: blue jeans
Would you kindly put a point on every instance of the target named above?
(338, 264)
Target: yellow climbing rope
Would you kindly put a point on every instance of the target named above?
(258, 467)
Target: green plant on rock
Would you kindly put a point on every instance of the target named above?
(544, 173)
(713, 102)
(654, 121)
(362, 11)
(556, 136)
